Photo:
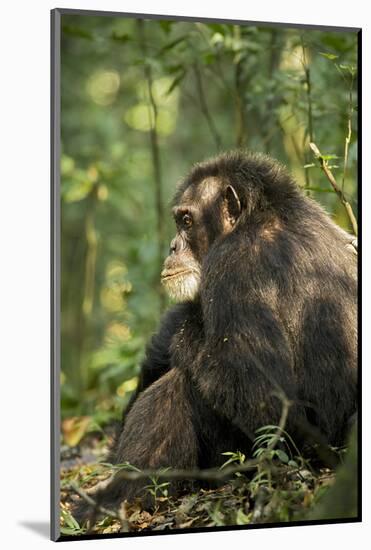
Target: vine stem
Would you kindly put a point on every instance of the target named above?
(331, 178)
(348, 137)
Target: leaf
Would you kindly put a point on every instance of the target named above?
(120, 37)
(217, 39)
(329, 55)
(217, 27)
(258, 452)
(72, 30)
(174, 68)
(173, 43)
(71, 526)
(77, 188)
(127, 386)
(127, 466)
(329, 157)
(69, 531)
(186, 523)
(208, 58)
(349, 68)
(226, 463)
(74, 429)
(262, 439)
(267, 428)
(176, 82)
(241, 517)
(282, 456)
(166, 26)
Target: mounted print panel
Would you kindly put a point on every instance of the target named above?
(205, 198)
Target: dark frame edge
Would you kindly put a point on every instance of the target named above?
(359, 274)
(224, 528)
(72, 11)
(55, 44)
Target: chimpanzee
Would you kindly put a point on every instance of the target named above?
(267, 292)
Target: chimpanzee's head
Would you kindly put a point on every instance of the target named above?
(203, 210)
(234, 189)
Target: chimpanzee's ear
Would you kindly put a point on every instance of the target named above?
(233, 204)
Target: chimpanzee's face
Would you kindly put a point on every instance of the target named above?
(206, 211)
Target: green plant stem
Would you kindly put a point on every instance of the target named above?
(308, 84)
(241, 133)
(153, 115)
(348, 137)
(204, 107)
(323, 164)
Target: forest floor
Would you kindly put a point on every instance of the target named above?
(281, 491)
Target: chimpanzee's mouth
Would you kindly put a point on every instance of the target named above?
(169, 274)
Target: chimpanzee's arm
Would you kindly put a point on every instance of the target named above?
(246, 363)
(157, 359)
(244, 372)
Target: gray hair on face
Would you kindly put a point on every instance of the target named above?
(183, 287)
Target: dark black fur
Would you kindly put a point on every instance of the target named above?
(277, 308)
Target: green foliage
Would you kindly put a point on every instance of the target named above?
(235, 458)
(266, 441)
(69, 525)
(215, 86)
(157, 489)
(284, 487)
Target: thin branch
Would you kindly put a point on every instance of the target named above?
(96, 508)
(153, 115)
(286, 404)
(331, 178)
(241, 138)
(308, 83)
(90, 501)
(348, 137)
(271, 118)
(207, 474)
(91, 255)
(204, 107)
(219, 72)
(84, 325)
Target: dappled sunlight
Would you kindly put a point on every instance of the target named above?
(116, 333)
(102, 87)
(127, 386)
(142, 116)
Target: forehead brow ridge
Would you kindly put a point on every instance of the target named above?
(183, 209)
(204, 192)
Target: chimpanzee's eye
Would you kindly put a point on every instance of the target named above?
(187, 220)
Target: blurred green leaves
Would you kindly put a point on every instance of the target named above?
(76, 183)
